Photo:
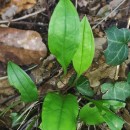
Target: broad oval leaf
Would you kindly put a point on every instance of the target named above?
(59, 112)
(64, 30)
(113, 121)
(90, 115)
(85, 53)
(97, 112)
(22, 82)
(118, 91)
(117, 50)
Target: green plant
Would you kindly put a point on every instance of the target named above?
(117, 50)
(69, 40)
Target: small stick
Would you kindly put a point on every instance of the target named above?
(23, 17)
(108, 15)
(31, 68)
(128, 25)
(76, 4)
(117, 72)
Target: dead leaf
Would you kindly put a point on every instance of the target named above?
(9, 9)
(82, 3)
(115, 3)
(101, 72)
(102, 12)
(21, 46)
(5, 88)
(99, 69)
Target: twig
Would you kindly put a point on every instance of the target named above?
(108, 15)
(76, 4)
(128, 25)
(79, 126)
(23, 17)
(8, 99)
(5, 77)
(29, 23)
(30, 107)
(25, 118)
(117, 72)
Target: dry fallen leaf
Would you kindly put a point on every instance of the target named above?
(103, 11)
(101, 72)
(9, 9)
(21, 46)
(99, 69)
(82, 3)
(5, 88)
(115, 3)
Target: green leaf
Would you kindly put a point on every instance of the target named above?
(22, 82)
(113, 104)
(83, 86)
(128, 78)
(59, 112)
(64, 30)
(91, 115)
(97, 112)
(15, 119)
(72, 79)
(113, 121)
(85, 53)
(117, 50)
(118, 91)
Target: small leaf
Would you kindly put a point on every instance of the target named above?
(97, 112)
(90, 115)
(59, 112)
(22, 82)
(85, 53)
(118, 91)
(113, 121)
(64, 30)
(15, 119)
(117, 50)
(83, 86)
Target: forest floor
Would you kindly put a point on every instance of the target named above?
(35, 16)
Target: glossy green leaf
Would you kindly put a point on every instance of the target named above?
(85, 53)
(117, 91)
(113, 104)
(72, 79)
(117, 50)
(59, 112)
(90, 115)
(97, 112)
(83, 86)
(64, 30)
(22, 82)
(113, 121)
